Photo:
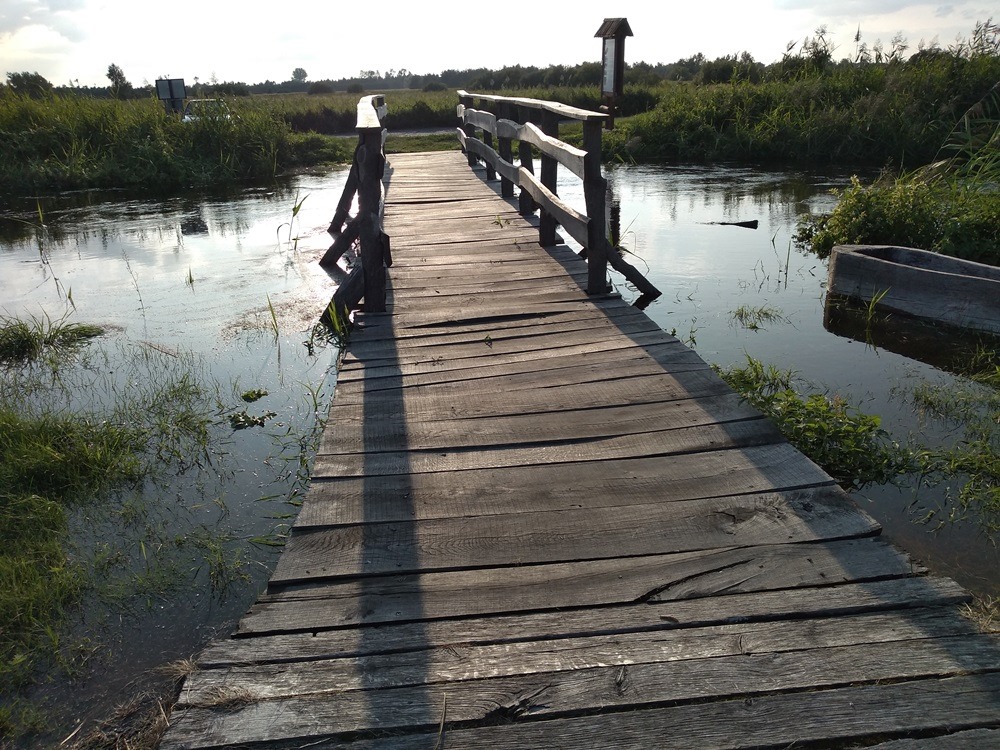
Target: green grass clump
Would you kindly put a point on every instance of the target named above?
(850, 446)
(26, 340)
(755, 318)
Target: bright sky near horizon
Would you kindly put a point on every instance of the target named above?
(253, 41)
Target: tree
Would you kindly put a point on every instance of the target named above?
(120, 87)
(299, 75)
(29, 84)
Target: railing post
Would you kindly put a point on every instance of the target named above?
(549, 177)
(506, 150)
(595, 191)
(525, 203)
(371, 164)
(470, 130)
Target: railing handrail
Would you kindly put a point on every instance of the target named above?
(540, 192)
(556, 108)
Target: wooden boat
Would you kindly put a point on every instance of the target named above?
(917, 282)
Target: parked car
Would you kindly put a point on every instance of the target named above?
(198, 109)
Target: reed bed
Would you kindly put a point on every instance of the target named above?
(71, 142)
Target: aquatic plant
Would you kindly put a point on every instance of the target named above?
(849, 445)
(754, 318)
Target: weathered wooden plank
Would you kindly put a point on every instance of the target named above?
(353, 433)
(578, 533)
(827, 601)
(842, 715)
(640, 481)
(478, 398)
(454, 663)
(580, 584)
(970, 739)
(603, 360)
(746, 675)
(391, 353)
(664, 442)
(390, 329)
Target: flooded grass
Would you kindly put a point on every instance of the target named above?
(63, 465)
(22, 340)
(848, 444)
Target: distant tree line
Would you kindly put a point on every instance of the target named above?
(810, 57)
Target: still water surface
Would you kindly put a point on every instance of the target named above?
(199, 274)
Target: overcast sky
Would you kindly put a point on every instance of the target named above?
(252, 40)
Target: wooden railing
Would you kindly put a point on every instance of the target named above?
(534, 124)
(366, 280)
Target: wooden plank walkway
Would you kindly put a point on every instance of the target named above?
(538, 521)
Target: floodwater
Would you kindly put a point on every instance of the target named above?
(195, 278)
(225, 289)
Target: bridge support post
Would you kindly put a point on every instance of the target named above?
(506, 149)
(371, 165)
(595, 192)
(525, 203)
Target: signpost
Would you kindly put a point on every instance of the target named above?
(613, 31)
(171, 92)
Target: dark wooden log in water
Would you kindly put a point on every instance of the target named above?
(752, 224)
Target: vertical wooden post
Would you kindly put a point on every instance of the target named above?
(371, 163)
(525, 203)
(491, 173)
(594, 190)
(470, 131)
(506, 150)
(549, 176)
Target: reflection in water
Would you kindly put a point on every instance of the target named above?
(941, 346)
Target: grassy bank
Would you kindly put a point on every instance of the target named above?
(950, 206)
(71, 142)
(877, 114)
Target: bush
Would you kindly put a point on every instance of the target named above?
(956, 220)
(319, 87)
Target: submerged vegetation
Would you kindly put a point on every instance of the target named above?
(849, 445)
(60, 462)
(114, 459)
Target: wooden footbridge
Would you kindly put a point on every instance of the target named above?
(538, 521)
